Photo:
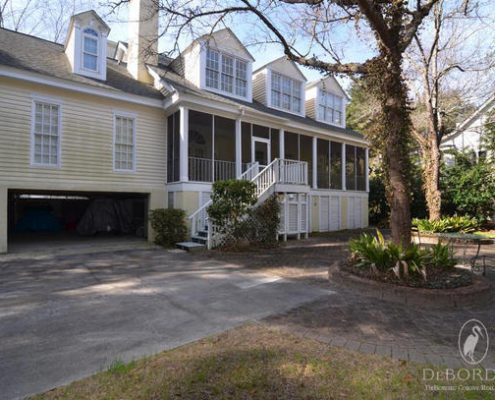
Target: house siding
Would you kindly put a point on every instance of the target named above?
(259, 87)
(86, 141)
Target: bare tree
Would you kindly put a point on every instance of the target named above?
(45, 18)
(446, 62)
(393, 25)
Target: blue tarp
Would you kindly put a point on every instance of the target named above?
(39, 219)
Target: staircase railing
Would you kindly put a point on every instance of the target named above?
(278, 171)
(199, 219)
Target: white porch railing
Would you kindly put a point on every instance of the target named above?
(279, 171)
(208, 170)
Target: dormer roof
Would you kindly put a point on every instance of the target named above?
(329, 83)
(90, 17)
(286, 61)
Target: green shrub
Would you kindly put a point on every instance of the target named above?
(442, 256)
(447, 224)
(169, 225)
(231, 199)
(261, 226)
(379, 255)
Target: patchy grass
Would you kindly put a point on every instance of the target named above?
(254, 362)
(487, 234)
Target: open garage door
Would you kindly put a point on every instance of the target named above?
(42, 216)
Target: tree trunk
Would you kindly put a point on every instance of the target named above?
(431, 178)
(396, 148)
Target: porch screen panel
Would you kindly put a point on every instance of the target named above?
(261, 131)
(335, 165)
(275, 143)
(306, 154)
(291, 146)
(173, 147)
(200, 146)
(246, 144)
(323, 164)
(224, 163)
(350, 167)
(360, 169)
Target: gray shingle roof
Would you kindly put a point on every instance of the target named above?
(183, 86)
(33, 54)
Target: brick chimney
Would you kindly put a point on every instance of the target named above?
(143, 38)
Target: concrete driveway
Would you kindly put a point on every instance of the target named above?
(64, 318)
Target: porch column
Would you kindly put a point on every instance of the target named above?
(344, 183)
(238, 147)
(367, 169)
(282, 144)
(314, 173)
(3, 219)
(184, 144)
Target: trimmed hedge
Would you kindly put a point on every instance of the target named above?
(169, 225)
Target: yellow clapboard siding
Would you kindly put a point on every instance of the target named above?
(86, 139)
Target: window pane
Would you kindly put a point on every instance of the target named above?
(227, 73)
(200, 146)
(90, 45)
(335, 165)
(90, 62)
(124, 143)
(323, 164)
(350, 167)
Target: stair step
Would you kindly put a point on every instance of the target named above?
(199, 239)
(202, 234)
(190, 246)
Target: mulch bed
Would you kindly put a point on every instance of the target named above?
(436, 278)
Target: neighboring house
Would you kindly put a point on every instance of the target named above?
(469, 134)
(78, 122)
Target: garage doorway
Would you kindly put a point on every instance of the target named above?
(53, 220)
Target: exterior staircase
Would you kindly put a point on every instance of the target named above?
(280, 176)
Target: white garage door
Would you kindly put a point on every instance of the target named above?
(354, 213)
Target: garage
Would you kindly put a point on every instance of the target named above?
(37, 219)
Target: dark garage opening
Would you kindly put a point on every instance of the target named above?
(41, 217)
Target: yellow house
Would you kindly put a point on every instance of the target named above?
(91, 124)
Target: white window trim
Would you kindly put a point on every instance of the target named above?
(101, 68)
(269, 94)
(249, 73)
(85, 35)
(124, 114)
(53, 101)
(317, 108)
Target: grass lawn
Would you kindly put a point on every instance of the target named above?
(254, 362)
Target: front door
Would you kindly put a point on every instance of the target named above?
(261, 152)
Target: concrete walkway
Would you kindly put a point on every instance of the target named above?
(63, 318)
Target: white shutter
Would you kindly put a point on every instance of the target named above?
(304, 217)
(324, 217)
(293, 217)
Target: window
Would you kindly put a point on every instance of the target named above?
(90, 50)
(335, 165)
(124, 143)
(286, 93)
(46, 134)
(355, 168)
(226, 73)
(330, 108)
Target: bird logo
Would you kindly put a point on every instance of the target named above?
(473, 342)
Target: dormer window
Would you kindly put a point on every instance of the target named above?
(90, 49)
(225, 73)
(286, 93)
(330, 108)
